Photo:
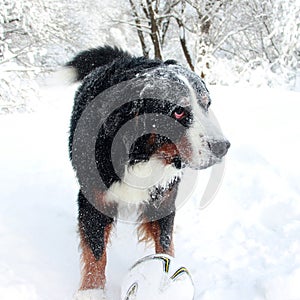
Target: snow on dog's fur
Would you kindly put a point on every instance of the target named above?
(152, 172)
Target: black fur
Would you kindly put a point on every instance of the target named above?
(166, 230)
(92, 222)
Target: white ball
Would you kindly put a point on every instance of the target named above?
(158, 277)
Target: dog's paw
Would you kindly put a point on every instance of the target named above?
(94, 294)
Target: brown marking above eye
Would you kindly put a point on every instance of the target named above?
(179, 115)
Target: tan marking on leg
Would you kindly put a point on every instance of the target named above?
(150, 232)
(93, 270)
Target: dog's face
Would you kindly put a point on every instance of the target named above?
(201, 144)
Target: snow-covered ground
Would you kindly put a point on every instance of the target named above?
(244, 245)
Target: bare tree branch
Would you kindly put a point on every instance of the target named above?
(20, 52)
(154, 31)
(184, 44)
(139, 29)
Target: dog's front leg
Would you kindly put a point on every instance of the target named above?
(157, 220)
(161, 232)
(94, 229)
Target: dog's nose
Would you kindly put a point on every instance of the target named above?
(218, 148)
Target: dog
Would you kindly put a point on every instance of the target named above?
(175, 100)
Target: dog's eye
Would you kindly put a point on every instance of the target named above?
(179, 114)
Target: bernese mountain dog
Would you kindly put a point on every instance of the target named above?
(136, 124)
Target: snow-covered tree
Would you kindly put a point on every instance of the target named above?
(248, 35)
(269, 39)
(37, 36)
(225, 41)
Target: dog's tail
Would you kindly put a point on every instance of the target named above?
(87, 61)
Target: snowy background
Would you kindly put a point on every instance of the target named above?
(244, 245)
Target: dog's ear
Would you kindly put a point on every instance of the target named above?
(87, 61)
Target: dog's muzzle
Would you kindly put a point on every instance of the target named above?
(218, 148)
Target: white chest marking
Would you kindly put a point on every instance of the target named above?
(140, 179)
